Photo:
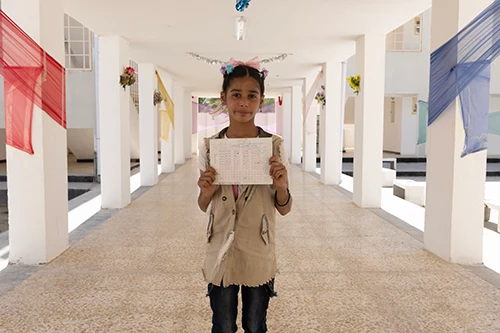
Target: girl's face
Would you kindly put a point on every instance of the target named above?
(243, 99)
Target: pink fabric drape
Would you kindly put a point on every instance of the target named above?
(32, 77)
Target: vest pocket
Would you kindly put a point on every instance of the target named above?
(210, 227)
(265, 230)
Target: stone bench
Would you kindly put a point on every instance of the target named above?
(494, 206)
(410, 190)
(388, 177)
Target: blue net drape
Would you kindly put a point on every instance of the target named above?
(461, 68)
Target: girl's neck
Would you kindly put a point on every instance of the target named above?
(240, 131)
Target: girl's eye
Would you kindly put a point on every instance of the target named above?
(252, 96)
(236, 95)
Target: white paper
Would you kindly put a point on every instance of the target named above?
(241, 161)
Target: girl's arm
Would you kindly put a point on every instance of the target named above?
(283, 200)
(282, 197)
(207, 189)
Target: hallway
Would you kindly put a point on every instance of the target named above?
(342, 269)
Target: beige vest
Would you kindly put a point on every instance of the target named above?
(241, 234)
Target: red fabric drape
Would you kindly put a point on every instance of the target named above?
(32, 77)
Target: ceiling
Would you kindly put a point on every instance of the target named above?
(311, 31)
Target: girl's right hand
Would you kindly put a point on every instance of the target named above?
(205, 182)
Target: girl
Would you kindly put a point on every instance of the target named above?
(241, 228)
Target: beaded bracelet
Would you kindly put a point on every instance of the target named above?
(276, 199)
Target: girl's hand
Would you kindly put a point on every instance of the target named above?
(279, 173)
(205, 182)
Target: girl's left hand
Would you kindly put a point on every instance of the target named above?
(279, 173)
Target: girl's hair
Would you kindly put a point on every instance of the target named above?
(243, 71)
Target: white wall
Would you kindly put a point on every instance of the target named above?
(495, 77)
(349, 111)
(494, 140)
(80, 99)
(81, 143)
(392, 130)
(81, 109)
(406, 72)
(409, 127)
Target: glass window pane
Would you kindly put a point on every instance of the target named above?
(77, 48)
(77, 61)
(76, 34)
(73, 22)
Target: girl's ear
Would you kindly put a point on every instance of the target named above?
(222, 98)
(262, 101)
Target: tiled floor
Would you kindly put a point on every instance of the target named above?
(342, 269)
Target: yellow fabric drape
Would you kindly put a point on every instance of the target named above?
(167, 115)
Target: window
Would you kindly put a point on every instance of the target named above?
(406, 38)
(77, 45)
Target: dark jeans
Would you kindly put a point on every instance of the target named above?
(224, 304)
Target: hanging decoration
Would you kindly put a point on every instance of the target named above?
(280, 101)
(241, 5)
(354, 82)
(157, 98)
(211, 61)
(321, 97)
(31, 77)
(461, 67)
(128, 77)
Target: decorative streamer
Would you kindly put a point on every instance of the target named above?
(461, 67)
(310, 95)
(167, 115)
(32, 77)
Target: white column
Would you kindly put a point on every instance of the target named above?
(287, 122)
(188, 123)
(309, 131)
(148, 126)
(167, 155)
(369, 121)
(296, 148)
(114, 108)
(179, 156)
(38, 184)
(455, 186)
(331, 125)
